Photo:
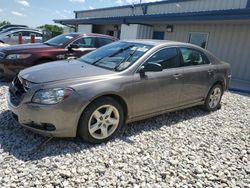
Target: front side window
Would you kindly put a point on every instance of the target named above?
(199, 39)
(116, 56)
(104, 41)
(15, 34)
(86, 42)
(193, 57)
(167, 58)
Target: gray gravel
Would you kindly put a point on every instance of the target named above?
(189, 148)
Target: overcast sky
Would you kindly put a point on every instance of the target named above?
(38, 12)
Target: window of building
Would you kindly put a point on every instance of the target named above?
(199, 39)
(167, 58)
(193, 57)
(159, 35)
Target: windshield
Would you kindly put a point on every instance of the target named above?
(60, 40)
(116, 56)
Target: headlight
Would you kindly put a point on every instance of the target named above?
(51, 96)
(18, 56)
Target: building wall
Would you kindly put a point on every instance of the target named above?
(230, 42)
(136, 31)
(85, 28)
(103, 29)
(68, 30)
(165, 8)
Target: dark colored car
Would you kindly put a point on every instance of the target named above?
(125, 81)
(72, 45)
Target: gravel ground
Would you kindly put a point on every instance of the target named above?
(189, 148)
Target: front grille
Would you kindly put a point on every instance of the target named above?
(2, 55)
(16, 91)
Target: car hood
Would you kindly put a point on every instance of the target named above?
(26, 47)
(62, 70)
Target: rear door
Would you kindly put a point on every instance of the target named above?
(157, 91)
(197, 75)
(38, 37)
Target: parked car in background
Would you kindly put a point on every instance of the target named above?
(17, 28)
(93, 96)
(12, 25)
(72, 45)
(11, 37)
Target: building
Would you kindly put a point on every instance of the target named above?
(221, 26)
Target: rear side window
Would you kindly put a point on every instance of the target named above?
(25, 33)
(192, 57)
(104, 41)
(167, 58)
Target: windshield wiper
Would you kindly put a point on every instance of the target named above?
(112, 55)
(128, 58)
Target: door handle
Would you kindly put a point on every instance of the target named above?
(177, 76)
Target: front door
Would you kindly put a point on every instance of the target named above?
(158, 91)
(85, 45)
(197, 75)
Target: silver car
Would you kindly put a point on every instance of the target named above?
(11, 37)
(125, 81)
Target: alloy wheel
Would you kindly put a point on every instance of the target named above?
(215, 97)
(103, 122)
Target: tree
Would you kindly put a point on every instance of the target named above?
(4, 23)
(52, 28)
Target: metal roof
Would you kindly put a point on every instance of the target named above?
(135, 5)
(235, 14)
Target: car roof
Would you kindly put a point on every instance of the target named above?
(16, 30)
(92, 34)
(155, 42)
(162, 43)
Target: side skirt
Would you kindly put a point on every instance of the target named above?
(138, 118)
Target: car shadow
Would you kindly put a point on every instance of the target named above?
(28, 146)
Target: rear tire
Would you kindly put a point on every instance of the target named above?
(101, 120)
(212, 102)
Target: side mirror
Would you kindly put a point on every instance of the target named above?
(150, 67)
(71, 47)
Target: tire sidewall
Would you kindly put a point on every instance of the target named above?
(83, 128)
(207, 106)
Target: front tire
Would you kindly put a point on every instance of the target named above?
(101, 120)
(212, 102)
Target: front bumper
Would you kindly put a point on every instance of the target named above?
(58, 120)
